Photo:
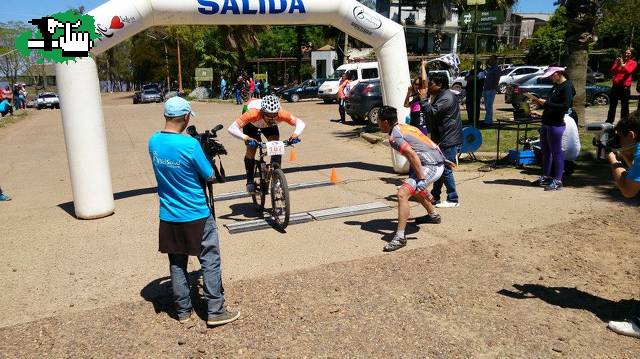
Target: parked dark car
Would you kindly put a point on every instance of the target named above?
(365, 101)
(594, 76)
(307, 89)
(596, 94)
(47, 100)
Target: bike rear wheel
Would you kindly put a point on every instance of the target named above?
(280, 209)
(259, 194)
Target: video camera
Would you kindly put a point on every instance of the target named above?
(212, 148)
(208, 140)
(606, 139)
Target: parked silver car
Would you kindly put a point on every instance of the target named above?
(512, 74)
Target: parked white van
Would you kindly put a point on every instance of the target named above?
(357, 71)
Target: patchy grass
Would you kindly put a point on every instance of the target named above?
(9, 119)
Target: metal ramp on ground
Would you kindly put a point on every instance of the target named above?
(310, 216)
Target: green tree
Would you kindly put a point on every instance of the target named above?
(620, 26)
(12, 63)
(547, 44)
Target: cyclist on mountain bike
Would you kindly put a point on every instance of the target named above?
(263, 114)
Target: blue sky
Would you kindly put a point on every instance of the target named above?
(25, 10)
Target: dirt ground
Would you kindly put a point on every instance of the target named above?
(513, 272)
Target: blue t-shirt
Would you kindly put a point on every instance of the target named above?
(634, 171)
(4, 106)
(179, 163)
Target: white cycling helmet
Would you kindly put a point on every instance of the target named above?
(270, 104)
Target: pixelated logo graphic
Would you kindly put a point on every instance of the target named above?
(61, 37)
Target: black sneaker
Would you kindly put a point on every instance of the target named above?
(433, 219)
(224, 318)
(394, 244)
(554, 185)
(541, 182)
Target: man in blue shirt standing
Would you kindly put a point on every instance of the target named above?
(492, 78)
(223, 87)
(628, 181)
(186, 224)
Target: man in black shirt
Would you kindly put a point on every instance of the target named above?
(443, 116)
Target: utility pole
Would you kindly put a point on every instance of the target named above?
(179, 68)
(475, 56)
(345, 48)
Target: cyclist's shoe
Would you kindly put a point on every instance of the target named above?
(432, 219)
(396, 243)
(4, 197)
(251, 187)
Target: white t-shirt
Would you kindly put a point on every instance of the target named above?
(570, 139)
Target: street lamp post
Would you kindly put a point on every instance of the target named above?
(166, 57)
(475, 55)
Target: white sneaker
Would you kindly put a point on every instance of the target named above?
(447, 204)
(629, 327)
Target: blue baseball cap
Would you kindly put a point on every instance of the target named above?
(177, 106)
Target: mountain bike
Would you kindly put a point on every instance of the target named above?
(270, 179)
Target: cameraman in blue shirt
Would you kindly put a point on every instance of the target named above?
(628, 181)
(186, 224)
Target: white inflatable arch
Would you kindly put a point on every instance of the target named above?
(118, 20)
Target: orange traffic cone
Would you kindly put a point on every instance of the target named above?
(334, 176)
(293, 156)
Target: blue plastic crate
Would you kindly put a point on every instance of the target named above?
(522, 157)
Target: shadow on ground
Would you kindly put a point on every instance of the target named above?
(385, 227)
(159, 293)
(589, 172)
(574, 298)
(364, 166)
(242, 211)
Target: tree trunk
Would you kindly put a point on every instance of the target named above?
(577, 69)
(299, 44)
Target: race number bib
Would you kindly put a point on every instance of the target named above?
(275, 148)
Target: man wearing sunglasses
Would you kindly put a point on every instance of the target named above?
(264, 114)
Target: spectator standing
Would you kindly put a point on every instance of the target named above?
(22, 96)
(223, 87)
(16, 96)
(621, 70)
(490, 88)
(259, 89)
(628, 181)
(265, 87)
(186, 224)
(252, 87)
(237, 89)
(427, 164)
(4, 197)
(343, 93)
(555, 108)
(471, 78)
(445, 125)
(416, 94)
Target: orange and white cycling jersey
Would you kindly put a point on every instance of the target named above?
(254, 116)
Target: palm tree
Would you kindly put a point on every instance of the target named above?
(240, 37)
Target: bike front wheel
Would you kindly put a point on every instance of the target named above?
(280, 209)
(258, 195)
